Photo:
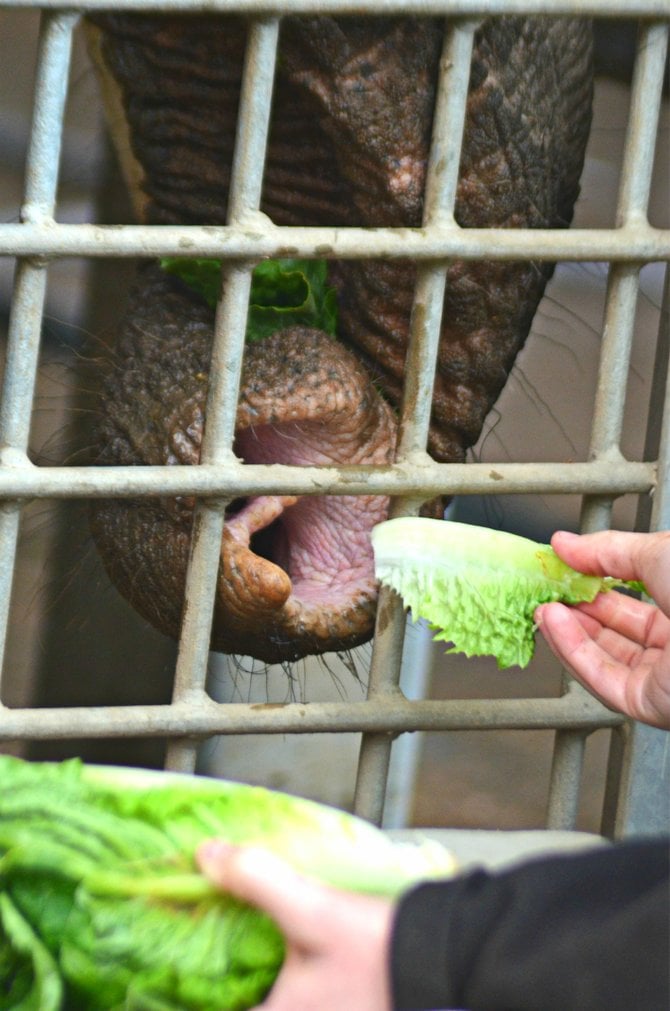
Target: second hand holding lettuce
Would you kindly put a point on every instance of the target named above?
(102, 906)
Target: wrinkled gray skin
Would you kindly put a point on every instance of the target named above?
(349, 141)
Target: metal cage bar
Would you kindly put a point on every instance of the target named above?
(628, 244)
(414, 477)
(465, 8)
(41, 180)
(645, 759)
(619, 324)
(424, 335)
(226, 367)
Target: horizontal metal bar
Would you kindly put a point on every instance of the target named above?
(409, 478)
(251, 241)
(387, 715)
(478, 8)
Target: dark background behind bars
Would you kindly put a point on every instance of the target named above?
(70, 632)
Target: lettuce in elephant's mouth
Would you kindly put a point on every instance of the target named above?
(283, 293)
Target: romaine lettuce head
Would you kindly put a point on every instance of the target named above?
(102, 906)
(477, 587)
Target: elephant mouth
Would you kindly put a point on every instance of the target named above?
(296, 573)
(289, 569)
(304, 559)
(301, 567)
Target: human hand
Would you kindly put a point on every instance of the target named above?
(336, 943)
(617, 646)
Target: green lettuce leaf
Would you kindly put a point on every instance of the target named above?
(29, 977)
(101, 895)
(283, 293)
(478, 587)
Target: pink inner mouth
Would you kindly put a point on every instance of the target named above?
(321, 542)
(299, 572)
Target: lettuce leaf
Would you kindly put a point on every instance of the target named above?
(478, 587)
(28, 974)
(283, 293)
(103, 906)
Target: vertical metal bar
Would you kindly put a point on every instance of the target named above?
(23, 347)
(424, 335)
(566, 773)
(655, 419)
(644, 798)
(636, 175)
(642, 128)
(42, 162)
(415, 674)
(660, 512)
(43, 158)
(613, 779)
(640, 761)
(568, 756)
(375, 752)
(440, 201)
(617, 814)
(226, 365)
(621, 301)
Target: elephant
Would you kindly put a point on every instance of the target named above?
(348, 146)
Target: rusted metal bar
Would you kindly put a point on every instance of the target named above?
(629, 244)
(387, 715)
(419, 480)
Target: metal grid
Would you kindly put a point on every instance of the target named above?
(37, 240)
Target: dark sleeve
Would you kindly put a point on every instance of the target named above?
(570, 933)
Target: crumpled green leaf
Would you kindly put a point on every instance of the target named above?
(29, 977)
(283, 293)
(103, 906)
(477, 588)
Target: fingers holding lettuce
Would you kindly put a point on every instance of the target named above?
(616, 645)
(336, 942)
(486, 592)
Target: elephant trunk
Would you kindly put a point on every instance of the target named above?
(349, 142)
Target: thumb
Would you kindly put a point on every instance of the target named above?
(298, 906)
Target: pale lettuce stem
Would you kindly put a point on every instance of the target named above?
(186, 889)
